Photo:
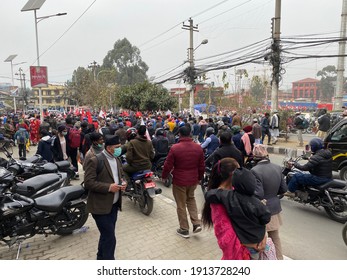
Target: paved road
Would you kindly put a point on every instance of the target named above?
(306, 234)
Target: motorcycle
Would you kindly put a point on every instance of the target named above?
(344, 233)
(205, 179)
(60, 212)
(35, 165)
(157, 168)
(331, 196)
(144, 190)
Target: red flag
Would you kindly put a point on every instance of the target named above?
(89, 115)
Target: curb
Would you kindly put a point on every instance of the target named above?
(283, 150)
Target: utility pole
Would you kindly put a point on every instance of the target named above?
(191, 72)
(20, 70)
(24, 97)
(341, 59)
(93, 65)
(276, 56)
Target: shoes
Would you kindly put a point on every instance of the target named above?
(196, 228)
(77, 175)
(183, 233)
(289, 194)
(274, 142)
(269, 144)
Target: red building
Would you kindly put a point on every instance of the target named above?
(306, 88)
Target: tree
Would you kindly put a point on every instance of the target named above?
(127, 62)
(328, 76)
(146, 96)
(257, 88)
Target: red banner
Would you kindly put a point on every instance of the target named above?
(38, 76)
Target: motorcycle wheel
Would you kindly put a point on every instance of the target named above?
(344, 233)
(146, 204)
(75, 218)
(343, 173)
(338, 212)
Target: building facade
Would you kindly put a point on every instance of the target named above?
(53, 98)
(307, 89)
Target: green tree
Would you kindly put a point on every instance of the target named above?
(127, 62)
(146, 96)
(328, 76)
(257, 88)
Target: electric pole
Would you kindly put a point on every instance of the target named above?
(276, 56)
(341, 59)
(191, 72)
(93, 65)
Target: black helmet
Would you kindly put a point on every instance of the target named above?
(131, 133)
(209, 131)
(159, 131)
(316, 144)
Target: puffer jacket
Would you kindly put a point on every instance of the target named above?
(319, 164)
(186, 162)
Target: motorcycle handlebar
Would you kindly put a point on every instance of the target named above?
(24, 198)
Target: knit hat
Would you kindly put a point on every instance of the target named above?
(247, 128)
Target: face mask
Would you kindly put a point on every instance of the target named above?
(64, 133)
(100, 146)
(117, 152)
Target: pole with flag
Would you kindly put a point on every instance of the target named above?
(147, 133)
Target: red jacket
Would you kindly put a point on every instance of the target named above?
(186, 162)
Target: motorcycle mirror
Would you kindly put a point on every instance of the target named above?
(307, 148)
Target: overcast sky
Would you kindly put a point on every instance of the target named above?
(155, 27)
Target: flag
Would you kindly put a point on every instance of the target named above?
(196, 112)
(102, 114)
(147, 133)
(89, 116)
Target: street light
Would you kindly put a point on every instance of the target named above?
(33, 5)
(191, 64)
(10, 59)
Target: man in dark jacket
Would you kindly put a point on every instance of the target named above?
(44, 146)
(226, 149)
(323, 125)
(105, 195)
(186, 163)
(319, 165)
(139, 155)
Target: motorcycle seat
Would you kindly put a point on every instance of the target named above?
(32, 185)
(337, 184)
(140, 174)
(49, 167)
(54, 202)
(62, 164)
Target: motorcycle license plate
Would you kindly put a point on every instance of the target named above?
(150, 185)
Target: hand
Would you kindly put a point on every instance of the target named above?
(124, 185)
(114, 188)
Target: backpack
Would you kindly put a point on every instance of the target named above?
(74, 137)
(21, 137)
(86, 143)
(305, 123)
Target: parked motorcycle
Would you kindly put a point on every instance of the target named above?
(157, 168)
(144, 190)
(35, 165)
(332, 196)
(60, 212)
(205, 179)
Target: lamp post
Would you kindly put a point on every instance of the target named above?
(191, 65)
(33, 5)
(10, 59)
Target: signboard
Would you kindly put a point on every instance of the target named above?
(38, 76)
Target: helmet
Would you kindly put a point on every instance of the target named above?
(209, 131)
(316, 144)
(159, 131)
(131, 133)
(180, 124)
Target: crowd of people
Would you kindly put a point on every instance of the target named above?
(241, 203)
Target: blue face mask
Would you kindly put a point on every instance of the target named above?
(117, 152)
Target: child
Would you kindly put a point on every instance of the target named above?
(21, 136)
(248, 215)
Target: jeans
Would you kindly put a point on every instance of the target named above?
(304, 179)
(107, 242)
(22, 151)
(266, 132)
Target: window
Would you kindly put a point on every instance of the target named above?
(340, 135)
(49, 93)
(48, 101)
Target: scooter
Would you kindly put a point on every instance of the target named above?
(157, 168)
